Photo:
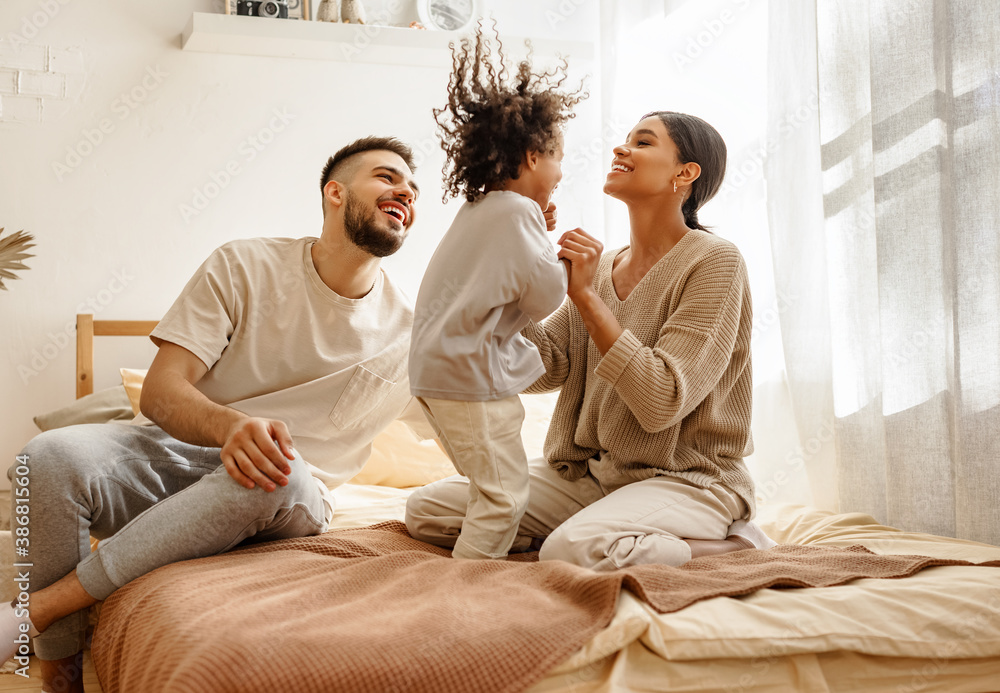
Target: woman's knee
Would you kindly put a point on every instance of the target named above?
(592, 545)
(418, 515)
(577, 543)
(434, 513)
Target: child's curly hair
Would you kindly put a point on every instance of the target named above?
(491, 120)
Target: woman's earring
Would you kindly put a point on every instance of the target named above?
(675, 186)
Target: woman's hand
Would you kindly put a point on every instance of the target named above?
(583, 252)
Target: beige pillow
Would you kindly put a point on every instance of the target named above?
(401, 460)
(537, 416)
(111, 404)
(132, 380)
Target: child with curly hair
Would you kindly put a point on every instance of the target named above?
(494, 270)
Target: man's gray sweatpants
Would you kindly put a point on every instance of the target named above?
(151, 500)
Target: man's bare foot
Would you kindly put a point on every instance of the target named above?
(16, 630)
(63, 675)
(58, 600)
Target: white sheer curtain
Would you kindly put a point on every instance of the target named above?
(709, 58)
(883, 182)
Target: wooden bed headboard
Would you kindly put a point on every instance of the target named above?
(86, 329)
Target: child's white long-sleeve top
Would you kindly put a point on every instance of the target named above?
(494, 270)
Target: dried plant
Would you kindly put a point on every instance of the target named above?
(12, 251)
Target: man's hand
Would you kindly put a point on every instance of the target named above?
(256, 453)
(583, 252)
(550, 217)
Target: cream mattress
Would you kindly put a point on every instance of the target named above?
(936, 631)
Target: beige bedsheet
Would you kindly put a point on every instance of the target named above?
(938, 630)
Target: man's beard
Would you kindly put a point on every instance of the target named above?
(363, 229)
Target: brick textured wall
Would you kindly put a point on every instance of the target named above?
(38, 82)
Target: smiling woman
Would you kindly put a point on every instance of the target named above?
(667, 137)
(711, 59)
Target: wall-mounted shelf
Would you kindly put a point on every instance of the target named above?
(240, 35)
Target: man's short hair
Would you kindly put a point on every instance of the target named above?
(339, 168)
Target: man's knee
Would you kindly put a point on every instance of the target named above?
(293, 510)
(50, 456)
(301, 486)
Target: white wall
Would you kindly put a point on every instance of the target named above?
(110, 226)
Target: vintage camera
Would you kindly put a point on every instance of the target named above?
(277, 9)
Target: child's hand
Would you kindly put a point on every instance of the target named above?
(550, 217)
(583, 252)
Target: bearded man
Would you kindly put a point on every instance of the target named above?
(278, 364)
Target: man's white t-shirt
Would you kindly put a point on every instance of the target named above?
(280, 344)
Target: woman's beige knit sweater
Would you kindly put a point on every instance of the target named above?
(673, 394)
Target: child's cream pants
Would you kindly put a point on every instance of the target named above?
(483, 440)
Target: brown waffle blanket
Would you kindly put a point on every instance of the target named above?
(374, 610)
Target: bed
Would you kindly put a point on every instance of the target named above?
(249, 620)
